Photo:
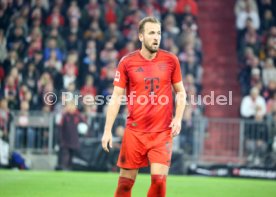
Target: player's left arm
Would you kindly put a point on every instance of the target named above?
(180, 107)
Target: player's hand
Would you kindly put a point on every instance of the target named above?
(176, 127)
(107, 140)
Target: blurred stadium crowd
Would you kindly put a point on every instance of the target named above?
(257, 53)
(75, 46)
(256, 46)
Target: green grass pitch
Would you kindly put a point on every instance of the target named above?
(90, 184)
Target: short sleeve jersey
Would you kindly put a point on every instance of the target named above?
(148, 85)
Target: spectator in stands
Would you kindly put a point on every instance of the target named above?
(31, 76)
(256, 134)
(189, 23)
(268, 20)
(89, 67)
(151, 8)
(108, 54)
(114, 35)
(10, 92)
(271, 44)
(89, 88)
(186, 7)
(111, 12)
(94, 32)
(272, 116)
(253, 104)
(251, 39)
(24, 129)
(38, 61)
(169, 6)
(270, 89)
(255, 79)
(241, 5)
(129, 47)
(243, 15)
(248, 78)
(73, 10)
(52, 45)
(92, 7)
(271, 105)
(253, 108)
(5, 118)
(189, 39)
(53, 64)
(265, 5)
(73, 43)
(189, 81)
(91, 47)
(25, 95)
(169, 45)
(45, 84)
(269, 72)
(55, 17)
(170, 28)
(70, 69)
(40, 5)
(35, 42)
(74, 28)
(17, 41)
(55, 33)
(3, 45)
(20, 24)
(190, 66)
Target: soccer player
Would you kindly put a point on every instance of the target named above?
(148, 76)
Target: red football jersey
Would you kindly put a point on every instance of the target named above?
(148, 86)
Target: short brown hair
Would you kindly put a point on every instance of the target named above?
(148, 19)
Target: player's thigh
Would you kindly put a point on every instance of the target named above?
(133, 154)
(129, 173)
(160, 153)
(158, 168)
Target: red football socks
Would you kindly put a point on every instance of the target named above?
(124, 187)
(158, 186)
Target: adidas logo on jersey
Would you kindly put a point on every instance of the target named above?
(140, 69)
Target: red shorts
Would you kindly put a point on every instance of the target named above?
(140, 148)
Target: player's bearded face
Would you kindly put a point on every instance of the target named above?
(151, 37)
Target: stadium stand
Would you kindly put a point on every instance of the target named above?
(74, 46)
(256, 47)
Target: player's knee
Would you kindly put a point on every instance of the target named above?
(158, 186)
(124, 187)
(158, 180)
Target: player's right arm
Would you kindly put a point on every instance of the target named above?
(119, 83)
(112, 111)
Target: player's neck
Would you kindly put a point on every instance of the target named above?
(147, 54)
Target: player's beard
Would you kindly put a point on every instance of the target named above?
(151, 48)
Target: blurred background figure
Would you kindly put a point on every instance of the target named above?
(68, 135)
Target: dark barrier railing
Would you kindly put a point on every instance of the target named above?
(202, 139)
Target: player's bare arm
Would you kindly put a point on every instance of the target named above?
(112, 111)
(180, 107)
